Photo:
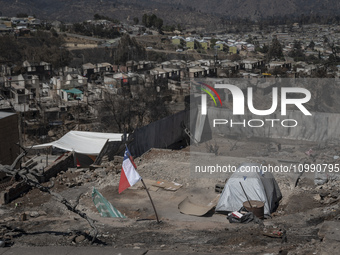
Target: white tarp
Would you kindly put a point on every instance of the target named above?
(90, 143)
(257, 185)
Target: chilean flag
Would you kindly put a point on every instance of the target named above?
(128, 175)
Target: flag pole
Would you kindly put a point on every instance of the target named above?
(147, 191)
(154, 208)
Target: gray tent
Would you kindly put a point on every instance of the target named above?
(258, 186)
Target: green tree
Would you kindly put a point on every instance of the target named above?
(152, 20)
(297, 52)
(250, 39)
(158, 23)
(275, 50)
(297, 45)
(145, 19)
(96, 16)
(213, 43)
(197, 45)
(129, 49)
(226, 48)
(136, 20)
(264, 49)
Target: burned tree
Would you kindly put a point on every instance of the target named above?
(126, 111)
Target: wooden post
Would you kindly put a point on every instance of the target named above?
(154, 208)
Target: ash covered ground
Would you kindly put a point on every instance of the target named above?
(308, 213)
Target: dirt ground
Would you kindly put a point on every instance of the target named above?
(302, 214)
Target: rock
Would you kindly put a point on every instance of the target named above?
(34, 214)
(71, 237)
(70, 185)
(51, 133)
(317, 197)
(9, 219)
(42, 213)
(2, 243)
(327, 200)
(101, 173)
(334, 194)
(80, 239)
(323, 193)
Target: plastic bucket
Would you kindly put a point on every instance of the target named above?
(257, 208)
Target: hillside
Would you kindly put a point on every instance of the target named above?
(190, 13)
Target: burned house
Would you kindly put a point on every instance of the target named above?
(42, 69)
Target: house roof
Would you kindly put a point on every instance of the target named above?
(104, 64)
(88, 66)
(120, 76)
(196, 69)
(157, 70)
(6, 114)
(17, 86)
(73, 91)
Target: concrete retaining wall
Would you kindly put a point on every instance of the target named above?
(160, 134)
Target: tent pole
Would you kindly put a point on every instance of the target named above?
(246, 195)
(47, 156)
(147, 191)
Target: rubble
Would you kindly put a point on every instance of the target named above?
(301, 213)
